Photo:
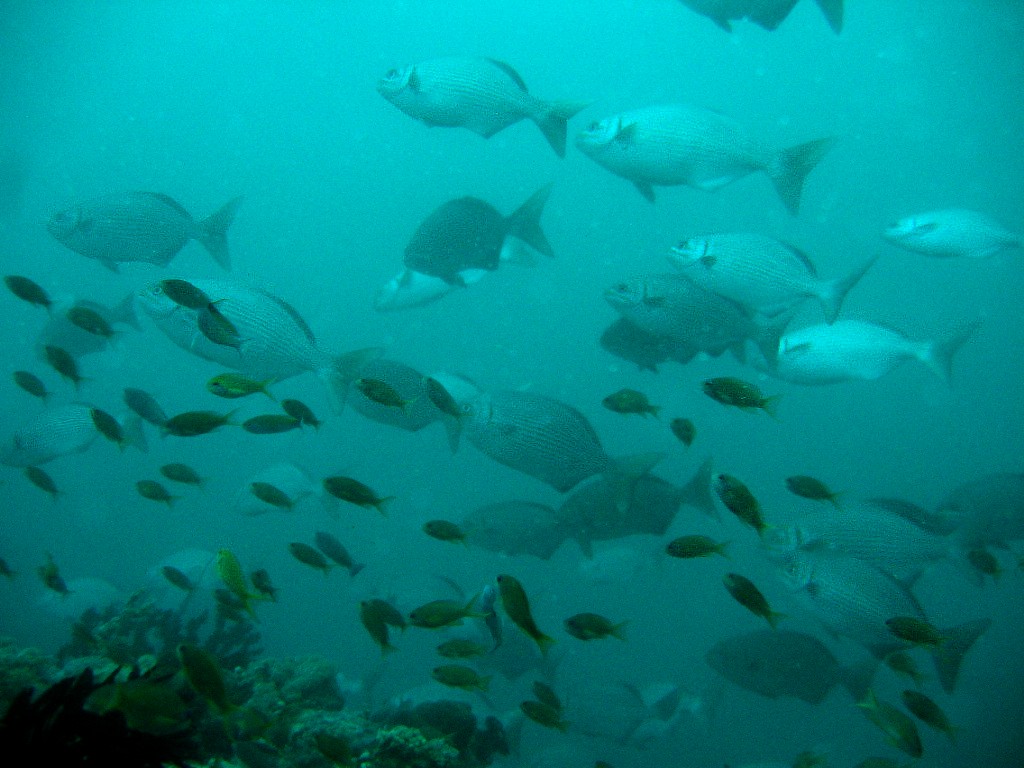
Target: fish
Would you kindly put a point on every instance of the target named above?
(470, 234)
(109, 427)
(271, 494)
(460, 676)
(746, 593)
(480, 94)
(410, 289)
(593, 513)
(673, 307)
(517, 608)
(376, 626)
(60, 430)
(738, 499)
(728, 390)
(684, 430)
(235, 385)
(194, 423)
(780, 662)
(630, 401)
(89, 320)
(545, 694)
(140, 227)
(695, 545)
(461, 648)
(544, 714)
(31, 383)
(145, 406)
(673, 144)
(984, 562)
(851, 350)
(61, 331)
(594, 626)
(646, 350)
(928, 712)
(767, 14)
(49, 574)
(155, 491)
(278, 344)
(986, 510)
(261, 582)
(177, 578)
(351, 490)
(41, 479)
(381, 393)
(388, 613)
(544, 438)
(514, 528)
(217, 329)
(185, 294)
(807, 487)
(287, 477)
(902, 663)
(5, 570)
(952, 233)
(310, 556)
(443, 613)
(299, 410)
(410, 387)
(853, 598)
(335, 550)
(488, 601)
(444, 530)
(181, 473)
(761, 273)
(29, 291)
(915, 630)
(205, 676)
(63, 363)
(271, 424)
(899, 729)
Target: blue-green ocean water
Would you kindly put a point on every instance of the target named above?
(276, 101)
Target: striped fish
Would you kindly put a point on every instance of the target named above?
(60, 431)
(673, 144)
(140, 226)
(760, 273)
(483, 95)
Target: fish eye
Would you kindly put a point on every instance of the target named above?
(391, 74)
(620, 287)
(594, 126)
(156, 290)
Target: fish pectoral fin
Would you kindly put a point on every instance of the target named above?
(110, 264)
(646, 189)
(626, 134)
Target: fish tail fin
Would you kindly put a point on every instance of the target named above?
(356, 568)
(697, 490)
(381, 505)
(773, 618)
(544, 643)
(857, 678)
(950, 654)
(524, 223)
(938, 355)
(771, 405)
(790, 167)
(625, 471)
(134, 435)
(833, 12)
(553, 121)
(342, 370)
(124, 312)
(212, 232)
(619, 630)
(835, 291)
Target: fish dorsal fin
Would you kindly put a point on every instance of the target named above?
(293, 314)
(169, 201)
(803, 257)
(507, 69)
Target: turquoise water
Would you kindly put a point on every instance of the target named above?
(277, 102)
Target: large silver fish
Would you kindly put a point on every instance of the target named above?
(952, 233)
(411, 387)
(673, 144)
(483, 95)
(760, 273)
(515, 528)
(854, 599)
(850, 350)
(275, 342)
(989, 510)
(140, 226)
(673, 307)
(767, 14)
(542, 437)
(62, 430)
(781, 662)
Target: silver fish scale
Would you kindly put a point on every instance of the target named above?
(136, 226)
(537, 435)
(275, 341)
(55, 432)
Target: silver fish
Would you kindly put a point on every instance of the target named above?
(483, 95)
(60, 431)
(854, 599)
(760, 273)
(952, 233)
(781, 662)
(848, 350)
(411, 386)
(274, 340)
(767, 14)
(988, 510)
(674, 144)
(673, 307)
(140, 226)
(409, 289)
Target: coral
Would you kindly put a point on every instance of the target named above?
(20, 669)
(399, 746)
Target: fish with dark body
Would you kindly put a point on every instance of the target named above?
(471, 234)
(140, 227)
(61, 331)
(986, 511)
(673, 307)
(59, 431)
(276, 343)
(952, 233)
(647, 350)
(515, 528)
(767, 14)
(782, 662)
(483, 95)
(145, 406)
(673, 144)
(761, 273)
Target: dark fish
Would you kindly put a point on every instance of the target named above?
(381, 393)
(271, 424)
(335, 550)
(140, 226)
(517, 607)
(74, 323)
(593, 626)
(441, 398)
(444, 530)
(928, 712)
(299, 410)
(459, 676)
(388, 613)
(915, 630)
(902, 663)
(49, 574)
(767, 14)
(63, 363)
(31, 384)
(271, 494)
(184, 294)
(108, 426)
(181, 473)
(354, 492)
(204, 675)
(515, 528)
(630, 401)
(470, 234)
(483, 95)
(442, 613)
(811, 488)
(546, 695)
(145, 406)
(729, 390)
(41, 479)
(235, 385)
(899, 729)
(261, 582)
(217, 328)
(376, 625)
(781, 662)
(154, 491)
(193, 423)
(986, 510)
(544, 714)
(5, 570)
(647, 350)
(461, 648)
(177, 578)
(749, 596)
(310, 556)
(740, 501)
(684, 430)
(89, 320)
(686, 547)
(28, 290)
(984, 562)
